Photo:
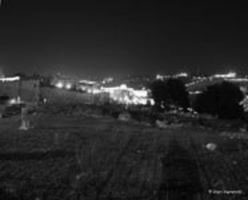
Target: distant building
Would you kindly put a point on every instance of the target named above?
(88, 86)
(27, 90)
(125, 95)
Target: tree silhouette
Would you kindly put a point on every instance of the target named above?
(170, 92)
(222, 100)
(178, 93)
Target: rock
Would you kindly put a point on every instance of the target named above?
(124, 117)
(161, 124)
(211, 146)
(176, 125)
(235, 162)
(24, 125)
(243, 130)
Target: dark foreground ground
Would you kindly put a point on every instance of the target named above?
(102, 158)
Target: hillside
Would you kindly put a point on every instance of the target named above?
(65, 157)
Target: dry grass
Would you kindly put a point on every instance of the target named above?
(102, 158)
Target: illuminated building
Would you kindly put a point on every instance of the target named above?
(228, 75)
(126, 95)
(10, 79)
(68, 86)
(59, 84)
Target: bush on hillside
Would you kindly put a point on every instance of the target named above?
(4, 99)
(221, 99)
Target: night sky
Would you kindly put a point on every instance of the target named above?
(100, 38)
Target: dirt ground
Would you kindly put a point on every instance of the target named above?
(66, 157)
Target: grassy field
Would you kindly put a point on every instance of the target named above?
(65, 157)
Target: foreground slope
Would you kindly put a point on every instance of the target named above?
(101, 158)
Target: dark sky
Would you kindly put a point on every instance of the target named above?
(122, 37)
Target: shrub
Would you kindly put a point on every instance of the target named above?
(4, 99)
(221, 99)
(178, 93)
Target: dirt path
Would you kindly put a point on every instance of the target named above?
(180, 174)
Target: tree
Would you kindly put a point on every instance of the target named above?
(221, 99)
(170, 92)
(159, 93)
(178, 93)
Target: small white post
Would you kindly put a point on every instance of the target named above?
(24, 121)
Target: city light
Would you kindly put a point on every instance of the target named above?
(238, 80)
(68, 86)
(59, 85)
(95, 91)
(244, 103)
(127, 95)
(182, 74)
(108, 80)
(195, 92)
(228, 75)
(162, 77)
(10, 79)
(159, 77)
(88, 82)
(123, 86)
(12, 101)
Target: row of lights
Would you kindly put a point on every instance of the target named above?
(10, 79)
(228, 76)
(61, 85)
(139, 96)
(179, 75)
